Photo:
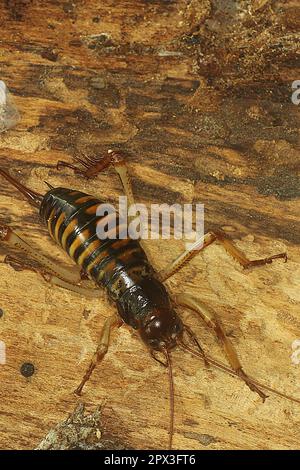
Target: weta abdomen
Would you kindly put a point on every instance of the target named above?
(116, 264)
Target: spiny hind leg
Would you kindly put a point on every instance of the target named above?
(91, 167)
(86, 288)
(101, 350)
(210, 317)
(185, 257)
(10, 237)
(51, 272)
(229, 246)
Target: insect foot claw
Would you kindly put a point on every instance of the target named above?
(283, 256)
(251, 385)
(78, 391)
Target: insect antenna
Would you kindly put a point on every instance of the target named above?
(194, 339)
(172, 401)
(219, 365)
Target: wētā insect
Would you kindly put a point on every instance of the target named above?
(121, 266)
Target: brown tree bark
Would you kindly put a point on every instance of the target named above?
(198, 93)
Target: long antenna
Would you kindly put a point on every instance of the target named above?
(224, 368)
(171, 391)
(193, 337)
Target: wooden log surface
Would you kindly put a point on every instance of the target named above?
(198, 93)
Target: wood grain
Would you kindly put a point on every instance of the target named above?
(198, 93)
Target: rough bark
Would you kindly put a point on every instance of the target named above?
(198, 93)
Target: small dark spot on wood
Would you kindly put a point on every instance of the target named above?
(86, 313)
(104, 94)
(74, 81)
(1, 313)
(75, 43)
(190, 422)
(204, 439)
(96, 19)
(191, 40)
(69, 7)
(101, 41)
(98, 83)
(27, 369)
(16, 8)
(232, 424)
(49, 54)
(182, 87)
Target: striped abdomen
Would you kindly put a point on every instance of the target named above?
(117, 264)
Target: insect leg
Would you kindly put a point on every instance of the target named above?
(186, 256)
(101, 350)
(83, 289)
(240, 257)
(9, 236)
(210, 317)
(91, 167)
(229, 246)
(120, 165)
(86, 288)
(51, 271)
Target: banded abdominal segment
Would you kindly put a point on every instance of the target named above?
(116, 264)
